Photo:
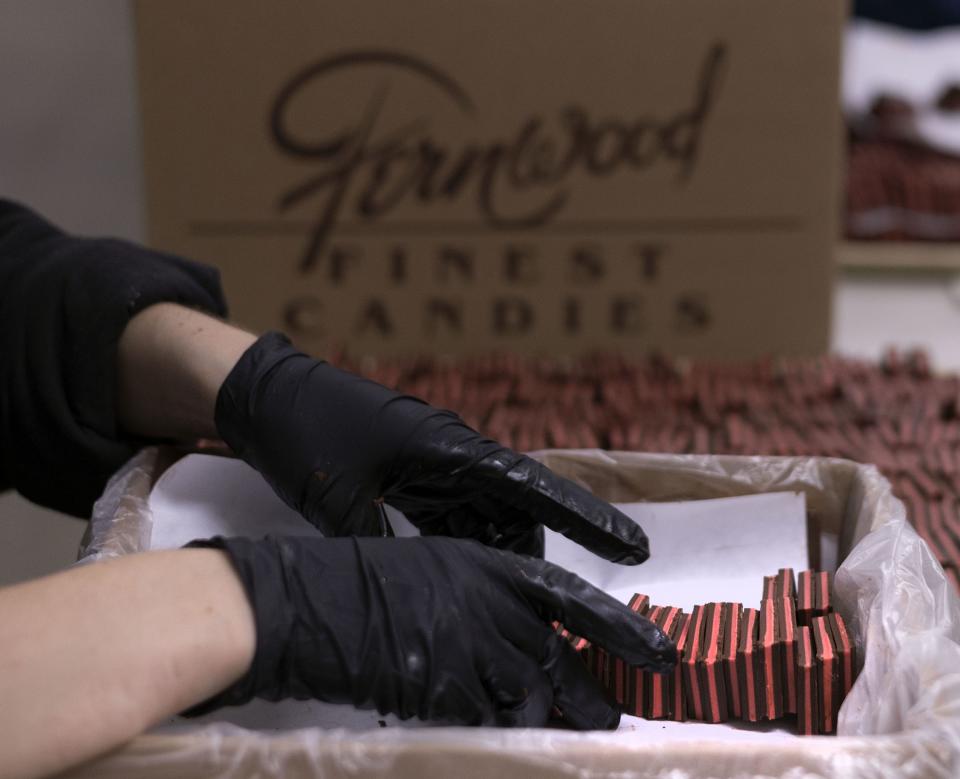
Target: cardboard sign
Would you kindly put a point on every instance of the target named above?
(546, 177)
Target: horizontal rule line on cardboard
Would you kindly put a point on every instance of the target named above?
(222, 227)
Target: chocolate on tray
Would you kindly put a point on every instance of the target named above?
(808, 688)
(740, 663)
(787, 615)
(710, 665)
(747, 665)
(813, 595)
(770, 654)
(894, 413)
(660, 686)
(634, 692)
(845, 649)
(828, 673)
(732, 615)
(691, 679)
(681, 638)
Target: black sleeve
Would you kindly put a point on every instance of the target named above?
(64, 302)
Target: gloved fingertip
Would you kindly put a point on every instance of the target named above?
(636, 555)
(652, 650)
(598, 715)
(612, 722)
(634, 542)
(666, 657)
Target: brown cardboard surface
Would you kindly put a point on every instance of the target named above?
(546, 177)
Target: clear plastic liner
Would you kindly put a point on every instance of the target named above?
(121, 522)
(901, 719)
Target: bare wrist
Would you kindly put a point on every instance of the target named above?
(171, 363)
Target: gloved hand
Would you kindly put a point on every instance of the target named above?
(436, 628)
(335, 446)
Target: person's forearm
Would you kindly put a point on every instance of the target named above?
(172, 361)
(91, 657)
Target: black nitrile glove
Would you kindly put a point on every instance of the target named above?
(335, 446)
(437, 628)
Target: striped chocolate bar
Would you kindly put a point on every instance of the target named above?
(770, 663)
(747, 665)
(732, 615)
(586, 651)
(618, 680)
(710, 665)
(679, 708)
(813, 596)
(639, 603)
(787, 625)
(805, 597)
(691, 682)
(780, 586)
(785, 587)
(635, 702)
(580, 645)
(828, 673)
(634, 683)
(661, 685)
(808, 689)
(769, 587)
(846, 652)
(654, 614)
(822, 603)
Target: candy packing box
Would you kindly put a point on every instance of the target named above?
(902, 717)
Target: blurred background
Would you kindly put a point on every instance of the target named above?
(70, 146)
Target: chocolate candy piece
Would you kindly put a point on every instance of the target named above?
(828, 674)
(846, 652)
(682, 640)
(747, 665)
(639, 603)
(653, 614)
(769, 587)
(618, 677)
(710, 665)
(787, 624)
(779, 586)
(813, 596)
(581, 646)
(732, 615)
(634, 683)
(661, 694)
(822, 603)
(691, 681)
(804, 597)
(635, 703)
(786, 588)
(808, 689)
(770, 651)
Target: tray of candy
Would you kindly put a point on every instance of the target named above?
(899, 608)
